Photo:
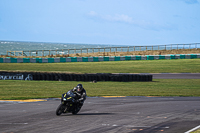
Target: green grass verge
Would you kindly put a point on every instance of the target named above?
(197, 131)
(134, 66)
(15, 89)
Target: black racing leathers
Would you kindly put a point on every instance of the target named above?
(80, 96)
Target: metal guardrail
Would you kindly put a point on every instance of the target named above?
(102, 50)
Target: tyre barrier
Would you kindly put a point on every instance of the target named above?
(74, 77)
(98, 59)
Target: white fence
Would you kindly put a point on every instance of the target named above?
(102, 50)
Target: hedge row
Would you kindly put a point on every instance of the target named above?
(85, 77)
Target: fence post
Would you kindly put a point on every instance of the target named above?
(177, 46)
(42, 52)
(110, 49)
(81, 51)
(87, 50)
(93, 50)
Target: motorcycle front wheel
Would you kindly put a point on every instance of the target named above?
(59, 110)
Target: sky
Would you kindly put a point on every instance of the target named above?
(115, 22)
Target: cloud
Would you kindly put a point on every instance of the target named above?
(114, 18)
(92, 13)
(190, 1)
(118, 18)
(142, 23)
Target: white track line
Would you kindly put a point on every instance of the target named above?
(193, 129)
(13, 123)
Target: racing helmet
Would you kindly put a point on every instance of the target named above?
(79, 87)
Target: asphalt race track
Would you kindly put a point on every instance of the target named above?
(176, 75)
(108, 115)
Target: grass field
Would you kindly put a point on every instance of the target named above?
(118, 53)
(142, 66)
(197, 131)
(13, 89)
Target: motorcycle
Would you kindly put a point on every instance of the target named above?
(68, 104)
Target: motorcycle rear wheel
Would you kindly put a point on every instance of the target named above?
(74, 112)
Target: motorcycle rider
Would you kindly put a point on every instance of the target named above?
(80, 94)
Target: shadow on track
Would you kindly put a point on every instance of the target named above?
(95, 114)
(87, 114)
